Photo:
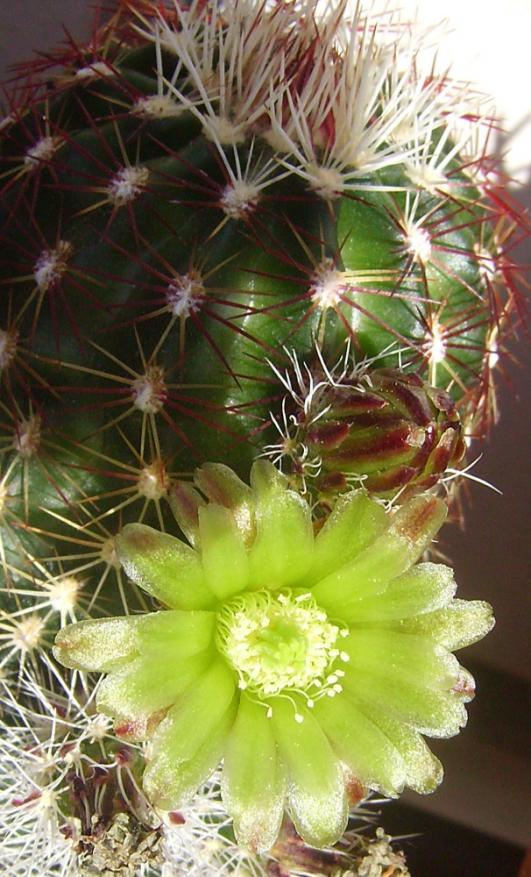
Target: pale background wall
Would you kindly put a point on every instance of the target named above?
(488, 772)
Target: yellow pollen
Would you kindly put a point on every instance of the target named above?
(280, 643)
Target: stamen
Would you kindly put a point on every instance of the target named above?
(280, 644)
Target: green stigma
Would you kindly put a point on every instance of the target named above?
(280, 643)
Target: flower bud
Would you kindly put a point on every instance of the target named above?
(391, 431)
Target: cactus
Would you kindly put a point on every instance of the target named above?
(219, 221)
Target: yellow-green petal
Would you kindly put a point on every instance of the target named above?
(423, 771)
(185, 502)
(410, 532)
(361, 745)
(223, 553)
(253, 786)
(147, 685)
(402, 657)
(431, 712)
(283, 547)
(188, 743)
(164, 567)
(99, 644)
(174, 634)
(221, 485)
(418, 520)
(105, 644)
(317, 793)
(455, 626)
(364, 577)
(170, 785)
(353, 524)
(425, 587)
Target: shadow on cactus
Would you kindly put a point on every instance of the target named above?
(221, 221)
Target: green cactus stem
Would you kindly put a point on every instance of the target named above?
(199, 190)
(204, 198)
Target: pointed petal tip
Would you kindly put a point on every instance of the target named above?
(431, 781)
(255, 834)
(420, 518)
(185, 502)
(264, 476)
(136, 540)
(63, 648)
(221, 484)
(318, 829)
(95, 644)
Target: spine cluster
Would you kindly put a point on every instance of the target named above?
(227, 230)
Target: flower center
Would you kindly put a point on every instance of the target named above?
(281, 643)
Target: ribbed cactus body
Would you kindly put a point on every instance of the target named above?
(222, 221)
(149, 278)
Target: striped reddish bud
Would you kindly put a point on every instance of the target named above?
(391, 430)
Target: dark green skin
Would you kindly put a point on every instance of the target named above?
(258, 299)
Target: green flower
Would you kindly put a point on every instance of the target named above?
(304, 661)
